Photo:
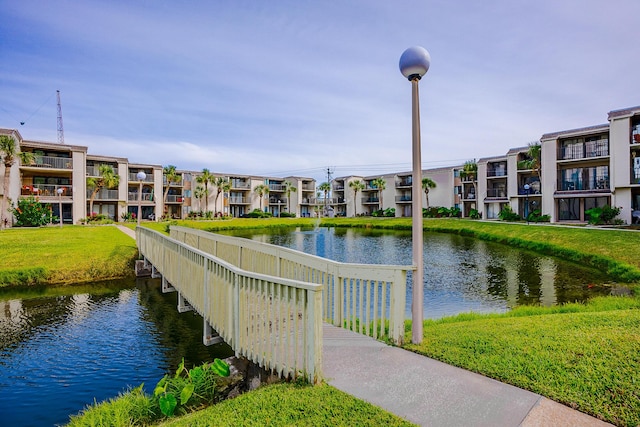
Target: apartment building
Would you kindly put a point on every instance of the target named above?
(578, 169)
(61, 175)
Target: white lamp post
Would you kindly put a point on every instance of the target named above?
(527, 187)
(414, 63)
(60, 191)
(141, 177)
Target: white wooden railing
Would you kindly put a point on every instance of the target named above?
(273, 321)
(365, 298)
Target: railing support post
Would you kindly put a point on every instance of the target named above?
(313, 336)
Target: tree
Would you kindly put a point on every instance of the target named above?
(9, 152)
(380, 184)
(470, 170)
(206, 178)
(171, 175)
(356, 185)
(199, 193)
(288, 189)
(106, 178)
(221, 184)
(261, 190)
(427, 184)
(325, 187)
(534, 153)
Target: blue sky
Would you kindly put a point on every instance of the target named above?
(293, 87)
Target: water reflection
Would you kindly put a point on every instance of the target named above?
(58, 354)
(461, 274)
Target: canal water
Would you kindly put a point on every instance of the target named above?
(62, 349)
(461, 274)
(59, 353)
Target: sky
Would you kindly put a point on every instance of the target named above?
(293, 87)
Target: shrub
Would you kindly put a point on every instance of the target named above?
(257, 213)
(474, 214)
(31, 213)
(536, 216)
(603, 215)
(287, 215)
(507, 214)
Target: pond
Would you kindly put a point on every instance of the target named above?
(59, 353)
(461, 274)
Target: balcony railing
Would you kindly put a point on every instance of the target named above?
(635, 176)
(496, 172)
(275, 201)
(45, 190)
(497, 192)
(51, 162)
(403, 199)
(406, 182)
(178, 183)
(276, 187)
(584, 185)
(146, 197)
(308, 187)
(239, 200)
(240, 184)
(585, 150)
(370, 200)
(133, 177)
(338, 187)
(173, 198)
(104, 194)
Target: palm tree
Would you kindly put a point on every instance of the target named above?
(470, 170)
(261, 190)
(427, 184)
(199, 193)
(325, 187)
(380, 184)
(356, 185)
(171, 175)
(222, 184)
(206, 178)
(106, 178)
(288, 189)
(534, 153)
(8, 153)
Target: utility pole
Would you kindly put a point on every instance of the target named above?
(60, 127)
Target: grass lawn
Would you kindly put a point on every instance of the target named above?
(71, 254)
(291, 405)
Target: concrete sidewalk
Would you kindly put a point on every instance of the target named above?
(431, 393)
(126, 230)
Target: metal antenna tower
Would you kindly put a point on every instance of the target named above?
(60, 127)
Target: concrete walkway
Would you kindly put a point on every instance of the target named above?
(431, 393)
(126, 230)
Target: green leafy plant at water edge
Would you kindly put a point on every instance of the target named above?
(176, 392)
(602, 215)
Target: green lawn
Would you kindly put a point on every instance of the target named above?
(291, 405)
(71, 254)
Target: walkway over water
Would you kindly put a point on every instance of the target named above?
(267, 302)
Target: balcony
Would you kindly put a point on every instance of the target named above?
(104, 194)
(47, 162)
(173, 198)
(492, 173)
(236, 183)
(238, 200)
(276, 187)
(635, 175)
(134, 178)
(598, 184)
(586, 150)
(45, 190)
(308, 187)
(146, 197)
(497, 193)
(367, 200)
(275, 201)
(404, 198)
(404, 182)
(165, 183)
